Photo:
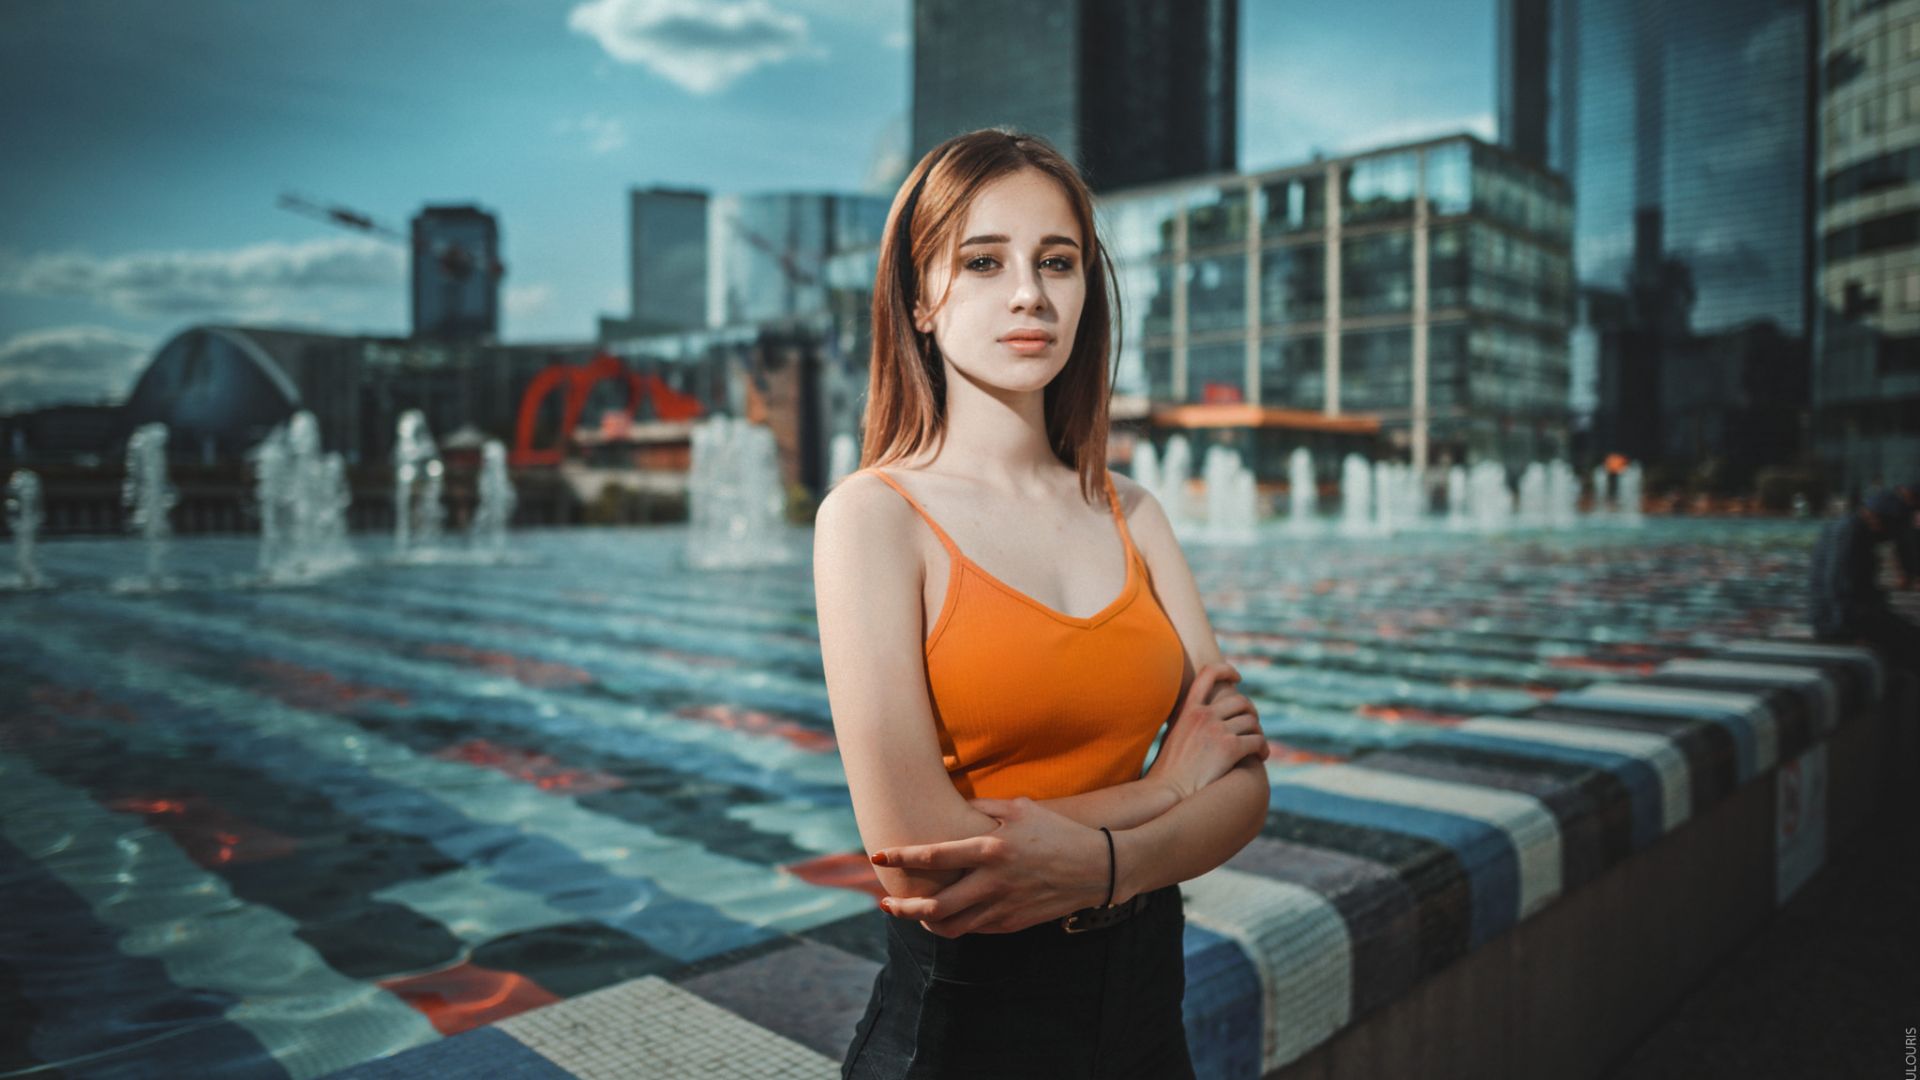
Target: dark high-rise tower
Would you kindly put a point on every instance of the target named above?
(1684, 128)
(456, 274)
(1133, 91)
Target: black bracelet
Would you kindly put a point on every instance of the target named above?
(1109, 902)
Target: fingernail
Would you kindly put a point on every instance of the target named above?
(886, 904)
(880, 858)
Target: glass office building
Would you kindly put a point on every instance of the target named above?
(1427, 285)
(1132, 91)
(767, 254)
(1867, 359)
(1684, 130)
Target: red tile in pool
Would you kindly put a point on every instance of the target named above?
(760, 723)
(530, 767)
(467, 996)
(1588, 663)
(704, 660)
(58, 702)
(843, 870)
(1408, 714)
(1287, 754)
(536, 673)
(311, 688)
(209, 834)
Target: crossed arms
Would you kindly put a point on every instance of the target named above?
(867, 587)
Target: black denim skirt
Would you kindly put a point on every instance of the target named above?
(1096, 1005)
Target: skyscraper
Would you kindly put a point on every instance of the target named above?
(1133, 91)
(456, 274)
(1684, 129)
(1867, 354)
(669, 253)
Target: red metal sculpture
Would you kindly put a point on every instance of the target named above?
(668, 403)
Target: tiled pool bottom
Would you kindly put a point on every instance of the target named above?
(251, 832)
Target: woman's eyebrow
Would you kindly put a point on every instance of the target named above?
(999, 238)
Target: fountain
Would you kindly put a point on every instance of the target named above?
(497, 500)
(302, 500)
(1629, 496)
(1412, 493)
(23, 519)
(416, 461)
(1533, 496)
(1563, 495)
(843, 457)
(1457, 519)
(148, 494)
(736, 505)
(1232, 512)
(1599, 490)
(1146, 466)
(336, 496)
(1175, 470)
(1303, 494)
(1491, 501)
(1386, 499)
(1356, 496)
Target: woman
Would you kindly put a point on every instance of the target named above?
(993, 722)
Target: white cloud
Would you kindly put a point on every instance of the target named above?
(69, 365)
(521, 301)
(267, 280)
(605, 134)
(700, 45)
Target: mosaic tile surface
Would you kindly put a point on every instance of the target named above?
(582, 814)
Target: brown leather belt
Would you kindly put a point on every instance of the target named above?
(1095, 918)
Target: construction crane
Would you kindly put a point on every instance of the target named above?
(341, 216)
(458, 263)
(789, 267)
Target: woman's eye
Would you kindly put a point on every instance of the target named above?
(1059, 262)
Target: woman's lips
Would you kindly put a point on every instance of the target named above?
(1027, 344)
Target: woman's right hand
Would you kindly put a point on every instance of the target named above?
(1208, 739)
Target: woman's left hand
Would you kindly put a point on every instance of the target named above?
(1034, 866)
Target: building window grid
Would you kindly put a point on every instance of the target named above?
(1520, 365)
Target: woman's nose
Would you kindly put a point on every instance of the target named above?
(1028, 293)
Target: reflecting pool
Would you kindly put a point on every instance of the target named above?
(258, 831)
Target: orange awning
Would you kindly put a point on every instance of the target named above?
(1255, 416)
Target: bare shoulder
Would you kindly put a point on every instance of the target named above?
(862, 519)
(1139, 505)
(1128, 489)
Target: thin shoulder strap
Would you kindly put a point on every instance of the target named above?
(1113, 500)
(945, 540)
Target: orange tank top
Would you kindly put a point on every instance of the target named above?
(1031, 701)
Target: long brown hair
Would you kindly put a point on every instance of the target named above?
(906, 377)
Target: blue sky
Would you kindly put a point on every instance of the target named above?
(147, 142)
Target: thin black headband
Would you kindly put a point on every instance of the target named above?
(903, 232)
